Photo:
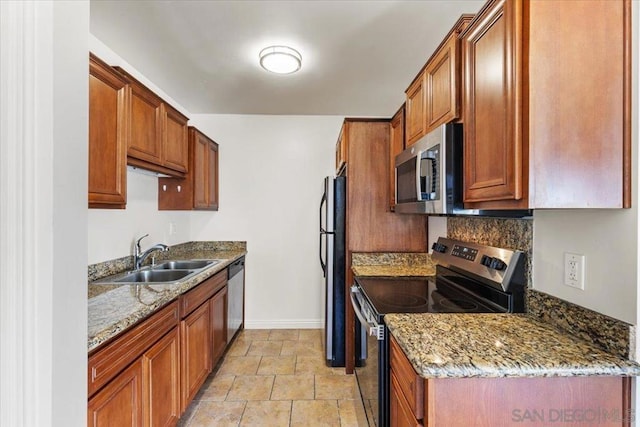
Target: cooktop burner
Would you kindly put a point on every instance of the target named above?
(451, 305)
(403, 300)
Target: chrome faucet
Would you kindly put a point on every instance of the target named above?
(139, 256)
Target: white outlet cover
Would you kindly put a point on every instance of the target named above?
(574, 270)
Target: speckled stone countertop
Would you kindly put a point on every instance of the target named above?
(396, 264)
(114, 308)
(498, 345)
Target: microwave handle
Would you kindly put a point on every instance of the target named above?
(418, 177)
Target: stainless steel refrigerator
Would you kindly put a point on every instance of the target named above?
(332, 260)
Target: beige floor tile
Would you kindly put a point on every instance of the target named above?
(265, 348)
(271, 365)
(334, 387)
(216, 388)
(315, 365)
(304, 348)
(253, 335)
(239, 348)
(347, 410)
(293, 387)
(251, 387)
(217, 414)
(283, 334)
(239, 365)
(267, 413)
(319, 413)
(310, 335)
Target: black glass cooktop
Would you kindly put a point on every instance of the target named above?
(450, 293)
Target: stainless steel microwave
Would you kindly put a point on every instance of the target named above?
(429, 173)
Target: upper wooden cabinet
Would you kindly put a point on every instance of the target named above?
(199, 188)
(547, 105)
(158, 132)
(396, 146)
(433, 98)
(109, 134)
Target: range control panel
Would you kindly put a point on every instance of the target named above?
(495, 266)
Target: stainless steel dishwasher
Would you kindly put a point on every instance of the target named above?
(235, 302)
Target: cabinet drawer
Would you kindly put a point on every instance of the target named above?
(108, 361)
(409, 382)
(205, 290)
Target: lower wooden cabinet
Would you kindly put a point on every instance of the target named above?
(161, 381)
(196, 351)
(400, 410)
(218, 324)
(119, 403)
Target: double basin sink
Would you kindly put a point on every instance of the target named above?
(167, 272)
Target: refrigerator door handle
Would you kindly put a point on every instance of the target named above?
(323, 200)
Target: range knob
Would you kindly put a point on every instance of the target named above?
(485, 260)
(439, 247)
(497, 264)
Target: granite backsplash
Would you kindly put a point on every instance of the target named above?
(611, 334)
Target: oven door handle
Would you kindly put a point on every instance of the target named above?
(373, 327)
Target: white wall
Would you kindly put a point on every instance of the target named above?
(43, 256)
(112, 232)
(608, 239)
(271, 171)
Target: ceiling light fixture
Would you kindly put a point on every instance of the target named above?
(280, 59)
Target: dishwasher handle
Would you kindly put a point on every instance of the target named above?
(372, 326)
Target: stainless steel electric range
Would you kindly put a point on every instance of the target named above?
(470, 278)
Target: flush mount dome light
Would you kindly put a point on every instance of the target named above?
(280, 59)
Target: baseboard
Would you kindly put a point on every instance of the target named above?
(284, 324)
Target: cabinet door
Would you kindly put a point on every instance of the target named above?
(400, 413)
(109, 106)
(200, 173)
(146, 125)
(396, 146)
(493, 146)
(219, 323)
(161, 380)
(213, 176)
(442, 80)
(119, 403)
(176, 144)
(415, 105)
(196, 351)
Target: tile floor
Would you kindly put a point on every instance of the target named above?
(274, 378)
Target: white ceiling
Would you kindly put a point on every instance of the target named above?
(358, 56)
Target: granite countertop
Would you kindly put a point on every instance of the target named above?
(498, 345)
(395, 264)
(114, 308)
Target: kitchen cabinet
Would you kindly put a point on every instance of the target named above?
(109, 135)
(200, 313)
(370, 225)
(158, 132)
(488, 402)
(415, 109)
(396, 145)
(199, 188)
(546, 125)
(134, 378)
(219, 325)
(120, 402)
(341, 151)
(161, 379)
(406, 390)
(433, 98)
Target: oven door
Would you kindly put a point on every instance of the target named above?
(373, 373)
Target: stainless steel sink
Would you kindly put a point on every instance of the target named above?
(186, 265)
(154, 276)
(174, 271)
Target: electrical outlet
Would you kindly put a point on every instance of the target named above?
(574, 270)
(172, 228)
